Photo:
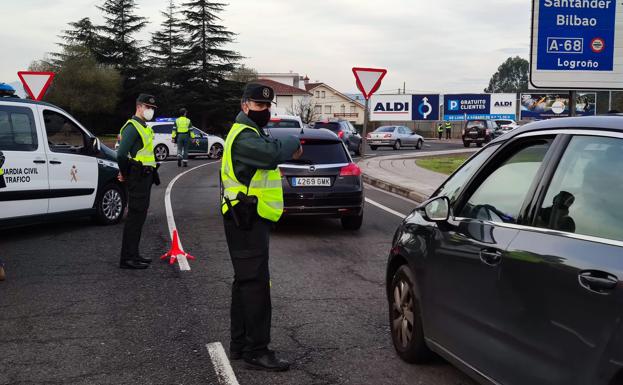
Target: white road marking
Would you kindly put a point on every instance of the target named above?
(385, 208)
(391, 194)
(181, 260)
(223, 369)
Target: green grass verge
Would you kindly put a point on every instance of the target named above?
(442, 164)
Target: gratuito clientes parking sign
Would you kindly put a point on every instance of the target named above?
(574, 44)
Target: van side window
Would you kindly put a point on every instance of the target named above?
(163, 129)
(63, 134)
(17, 129)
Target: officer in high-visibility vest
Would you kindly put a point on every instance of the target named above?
(448, 130)
(137, 166)
(2, 182)
(252, 200)
(440, 130)
(182, 135)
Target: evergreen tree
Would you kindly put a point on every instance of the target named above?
(82, 34)
(512, 76)
(166, 48)
(120, 49)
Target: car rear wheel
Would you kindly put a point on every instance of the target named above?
(110, 205)
(352, 222)
(373, 148)
(478, 144)
(397, 145)
(359, 149)
(418, 146)
(161, 152)
(466, 144)
(216, 151)
(405, 318)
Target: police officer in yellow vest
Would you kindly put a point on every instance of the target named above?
(182, 135)
(448, 126)
(440, 130)
(2, 182)
(252, 201)
(137, 165)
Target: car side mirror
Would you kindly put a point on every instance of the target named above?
(436, 209)
(94, 145)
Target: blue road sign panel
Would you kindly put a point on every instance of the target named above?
(576, 35)
(426, 107)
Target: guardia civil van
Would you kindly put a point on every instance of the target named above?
(52, 167)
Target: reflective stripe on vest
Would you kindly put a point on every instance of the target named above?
(448, 125)
(1, 172)
(146, 154)
(265, 184)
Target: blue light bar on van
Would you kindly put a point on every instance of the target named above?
(165, 119)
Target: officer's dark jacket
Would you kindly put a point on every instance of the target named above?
(251, 152)
(131, 143)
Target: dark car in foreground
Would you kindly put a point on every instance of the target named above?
(324, 182)
(478, 131)
(345, 131)
(512, 270)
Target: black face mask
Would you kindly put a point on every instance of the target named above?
(261, 118)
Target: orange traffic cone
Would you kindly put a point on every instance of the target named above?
(176, 251)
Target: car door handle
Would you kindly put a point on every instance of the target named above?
(39, 161)
(55, 162)
(490, 257)
(598, 281)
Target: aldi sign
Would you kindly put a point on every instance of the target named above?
(384, 108)
(479, 106)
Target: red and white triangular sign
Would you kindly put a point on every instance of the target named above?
(368, 80)
(36, 83)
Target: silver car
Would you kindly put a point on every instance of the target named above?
(394, 136)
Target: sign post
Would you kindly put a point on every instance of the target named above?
(368, 81)
(574, 45)
(36, 83)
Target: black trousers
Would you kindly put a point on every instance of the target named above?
(251, 308)
(448, 134)
(139, 189)
(440, 133)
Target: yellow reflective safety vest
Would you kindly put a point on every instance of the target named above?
(146, 154)
(265, 184)
(1, 172)
(439, 128)
(182, 126)
(448, 125)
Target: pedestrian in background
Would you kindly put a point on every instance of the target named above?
(440, 130)
(448, 130)
(138, 169)
(182, 135)
(252, 201)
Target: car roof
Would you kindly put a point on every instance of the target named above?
(612, 122)
(304, 133)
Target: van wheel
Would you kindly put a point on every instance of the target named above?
(359, 149)
(161, 152)
(216, 151)
(418, 146)
(110, 205)
(466, 144)
(405, 318)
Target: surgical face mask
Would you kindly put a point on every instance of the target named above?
(261, 118)
(148, 114)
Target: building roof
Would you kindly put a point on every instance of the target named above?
(282, 89)
(311, 86)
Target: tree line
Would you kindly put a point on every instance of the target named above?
(101, 69)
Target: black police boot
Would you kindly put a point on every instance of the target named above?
(235, 355)
(179, 163)
(132, 264)
(266, 361)
(144, 260)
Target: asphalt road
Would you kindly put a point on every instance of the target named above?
(429, 145)
(69, 315)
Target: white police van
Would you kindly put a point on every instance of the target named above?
(54, 167)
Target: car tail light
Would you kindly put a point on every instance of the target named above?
(340, 134)
(351, 170)
(387, 136)
(487, 132)
(275, 119)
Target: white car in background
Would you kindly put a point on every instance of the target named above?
(506, 124)
(203, 145)
(285, 121)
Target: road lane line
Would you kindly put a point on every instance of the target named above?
(181, 260)
(385, 208)
(223, 369)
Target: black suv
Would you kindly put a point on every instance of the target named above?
(512, 270)
(479, 132)
(324, 182)
(345, 131)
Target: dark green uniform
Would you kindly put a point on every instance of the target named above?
(138, 180)
(250, 304)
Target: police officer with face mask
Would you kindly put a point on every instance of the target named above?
(137, 166)
(252, 201)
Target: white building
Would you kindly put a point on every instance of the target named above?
(332, 104)
(286, 96)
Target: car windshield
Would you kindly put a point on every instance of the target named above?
(284, 123)
(322, 152)
(476, 124)
(385, 129)
(333, 126)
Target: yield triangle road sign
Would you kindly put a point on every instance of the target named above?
(368, 80)
(36, 83)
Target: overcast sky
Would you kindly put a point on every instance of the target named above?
(434, 46)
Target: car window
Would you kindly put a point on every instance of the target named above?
(475, 124)
(163, 128)
(584, 196)
(63, 134)
(17, 129)
(453, 186)
(198, 134)
(500, 196)
(385, 129)
(284, 123)
(323, 152)
(333, 126)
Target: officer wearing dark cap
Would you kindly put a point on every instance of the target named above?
(137, 168)
(252, 200)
